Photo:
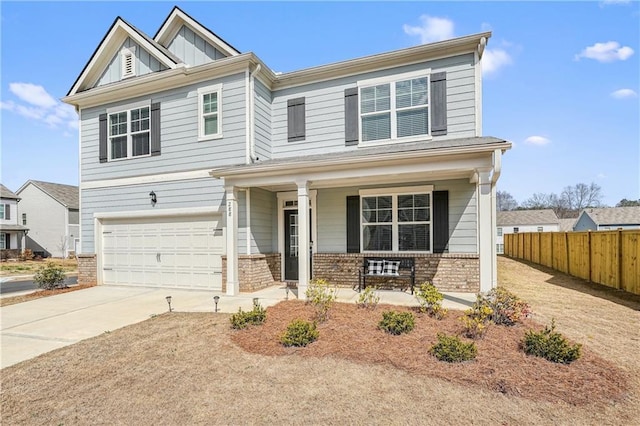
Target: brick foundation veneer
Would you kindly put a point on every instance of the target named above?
(448, 271)
(87, 269)
(255, 271)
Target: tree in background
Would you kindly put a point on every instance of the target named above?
(505, 201)
(581, 196)
(628, 203)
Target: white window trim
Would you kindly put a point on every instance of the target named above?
(394, 192)
(217, 88)
(127, 108)
(126, 51)
(393, 110)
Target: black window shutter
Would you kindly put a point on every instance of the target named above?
(295, 119)
(7, 241)
(7, 211)
(102, 132)
(155, 129)
(351, 116)
(439, 104)
(440, 221)
(353, 224)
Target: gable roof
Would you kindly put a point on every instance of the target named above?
(566, 225)
(614, 215)
(526, 217)
(7, 193)
(67, 195)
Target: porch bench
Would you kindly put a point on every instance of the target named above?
(387, 267)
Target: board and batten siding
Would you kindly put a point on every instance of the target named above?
(262, 120)
(180, 149)
(332, 215)
(145, 63)
(206, 192)
(324, 104)
(193, 49)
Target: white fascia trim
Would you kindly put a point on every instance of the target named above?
(400, 190)
(135, 214)
(139, 180)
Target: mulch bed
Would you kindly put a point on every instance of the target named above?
(351, 333)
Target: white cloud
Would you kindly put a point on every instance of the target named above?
(33, 94)
(606, 52)
(493, 60)
(432, 29)
(38, 104)
(537, 140)
(624, 94)
(8, 105)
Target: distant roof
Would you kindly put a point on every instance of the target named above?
(67, 195)
(615, 215)
(7, 193)
(566, 225)
(527, 217)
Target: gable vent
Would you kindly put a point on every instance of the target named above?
(128, 62)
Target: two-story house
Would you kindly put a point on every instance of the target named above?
(12, 232)
(515, 221)
(201, 167)
(608, 218)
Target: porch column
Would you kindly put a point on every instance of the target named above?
(23, 242)
(304, 272)
(233, 286)
(486, 221)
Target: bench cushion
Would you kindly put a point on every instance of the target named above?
(376, 267)
(391, 267)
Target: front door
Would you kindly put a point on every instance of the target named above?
(291, 244)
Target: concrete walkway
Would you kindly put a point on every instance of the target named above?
(32, 328)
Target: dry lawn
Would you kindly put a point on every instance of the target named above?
(188, 369)
(12, 300)
(29, 267)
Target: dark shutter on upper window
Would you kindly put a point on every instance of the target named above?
(351, 129)
(7, 211)
(102, 135)
(295, 120)
(353, 224)
(439, 104)
(440, 221)
(155, 129)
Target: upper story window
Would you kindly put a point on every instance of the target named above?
(129, 133)
(128, 61)
(24, 218)
(499, 232)
(5, 211)
(210, 112)
(516, 229)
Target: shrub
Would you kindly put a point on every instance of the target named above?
(321, 296)
(551, 345)
(452, 349)
(394, 322)
(477, 318)
(508, 309)
(242, 319)
(27, 254)
(368, 299)
(430, 300)
(49, 276)
(299, 333)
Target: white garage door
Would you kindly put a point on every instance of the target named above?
(184, 252)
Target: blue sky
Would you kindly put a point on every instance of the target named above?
(561, 79)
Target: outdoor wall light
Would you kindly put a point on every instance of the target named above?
(169, 302)
(216, 299)
(154, 199)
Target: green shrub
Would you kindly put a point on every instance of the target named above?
(477, 318)
(430, 300)
(321, 296)
(551, 345)
(300, 333)
(452, 349)
(394, 322)
(508, 309)
(368, 299)
(243, 319)
(49, 277)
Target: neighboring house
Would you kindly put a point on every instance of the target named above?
(12, 232)
(51, 210)
(515, 221)
(566, 225)
(195, 159)
(609, 218)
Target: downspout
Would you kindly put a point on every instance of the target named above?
(252, 113)
(247, 124)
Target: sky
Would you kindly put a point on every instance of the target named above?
(561, 80)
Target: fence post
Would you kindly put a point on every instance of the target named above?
(566, 245)
(589, 250)
(619, 259)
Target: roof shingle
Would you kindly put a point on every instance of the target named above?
(67, 195)
(526, 217)
(615, 215)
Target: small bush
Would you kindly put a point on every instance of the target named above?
(430, 300)
(551, 345)
(396, 323)
(299, 333)
(368, 299)
(321, 296)
(27, 254)
(508, 309)
(477, 318)
(452, 349)
(243, 319)
(49, 276)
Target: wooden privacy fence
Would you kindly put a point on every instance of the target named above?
(611, 258)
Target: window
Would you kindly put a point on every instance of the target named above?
(396, 221)
(5, 211)
(128, 62)
(500, 248)
(499, 232)
(395, 109)
(2, 207)
(3, 239)
(515, 229)
(540, 228)
(24, 218)
(210, 112)
(129, 133)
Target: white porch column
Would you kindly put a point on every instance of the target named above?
(486, 221)
(23, 242)
(304, 271)
(233, 286)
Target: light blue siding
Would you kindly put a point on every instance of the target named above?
(263, 217)
(145, 63)
(193, 49)
(242, 222)
(585, 223)
(179, 133)
(262, 115)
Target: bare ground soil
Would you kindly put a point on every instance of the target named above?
(190, 369)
